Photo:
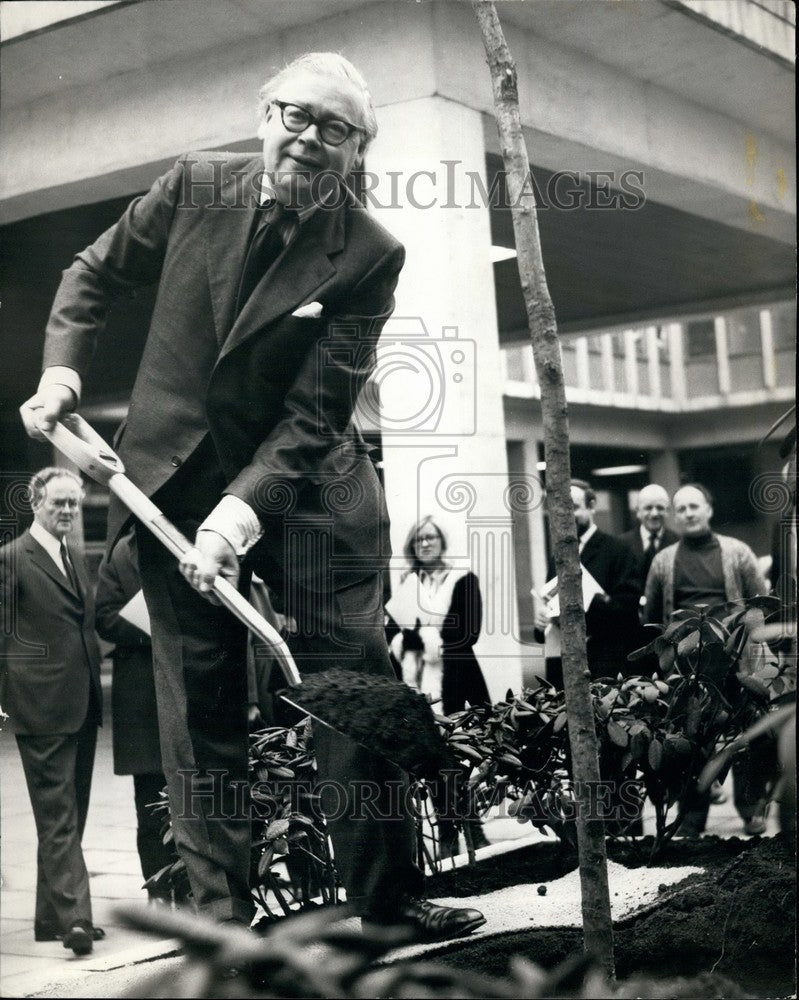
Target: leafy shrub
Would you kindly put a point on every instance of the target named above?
(656, 734)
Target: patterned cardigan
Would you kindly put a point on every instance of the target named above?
(742, 578)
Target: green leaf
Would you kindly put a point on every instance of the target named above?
(260, 797)
(711, 633)
(683, 615)
(617, 734)
(722, 610)
(666, 658)
(560, 722)
(655, 754)
(638, 745)
(693, 716)
(276, 829)
(303, 821)
(753, 685)
(754, 618)
(265, 861)
(736, 641)
(689, 643)
(679, 629)
(767, 603)
(281, 772)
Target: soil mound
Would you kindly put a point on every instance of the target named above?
(736, 920)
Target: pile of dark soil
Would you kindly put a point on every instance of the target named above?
(381, 713)
(550, 860)
(737, 919)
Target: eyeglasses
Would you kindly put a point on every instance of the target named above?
(332, 131)
(427, 539)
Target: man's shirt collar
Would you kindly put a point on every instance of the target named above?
(587, 536)
(267, 194)
(50, 544)
(646, 535)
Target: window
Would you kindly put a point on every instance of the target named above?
(701, 338)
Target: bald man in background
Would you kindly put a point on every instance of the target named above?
(644, 541)
(651, 535)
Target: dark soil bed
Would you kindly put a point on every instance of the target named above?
(737, 919)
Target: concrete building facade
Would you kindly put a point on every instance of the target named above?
(660, 134)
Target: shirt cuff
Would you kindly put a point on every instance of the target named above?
(236, 522)
(61, 375)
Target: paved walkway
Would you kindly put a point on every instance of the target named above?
(109, 846)
(29, 969)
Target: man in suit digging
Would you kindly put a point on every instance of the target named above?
(273, 286)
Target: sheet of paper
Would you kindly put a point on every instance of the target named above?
(550, 593)
(135, 612)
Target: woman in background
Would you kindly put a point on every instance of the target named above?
(433, 621)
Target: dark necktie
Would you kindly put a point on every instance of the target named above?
(651, 549)
(265, 247)
(72, 576)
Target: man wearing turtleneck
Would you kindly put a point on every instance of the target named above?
(698, 573)
(703, 567)
(706, 568)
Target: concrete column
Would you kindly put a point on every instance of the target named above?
(653, 362)
(439, 369)
(631, 362)
(722, 355)
(677, 364)
(767, 349)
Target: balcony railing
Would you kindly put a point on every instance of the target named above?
(740, 358)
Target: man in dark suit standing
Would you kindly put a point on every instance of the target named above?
(273, 287)
(610, 619)
(51, 691)
(651, 535)
(645, 541)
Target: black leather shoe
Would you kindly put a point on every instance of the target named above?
(431, 922)
(80, 939)
(46, 932)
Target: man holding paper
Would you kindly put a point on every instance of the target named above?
(610, 595)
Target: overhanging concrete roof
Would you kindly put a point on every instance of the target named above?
(607, 267)
(657, 42)
(673, 254)
(688, 56)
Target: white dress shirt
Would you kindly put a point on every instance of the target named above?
(50, 544)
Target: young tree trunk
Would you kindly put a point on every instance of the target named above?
(597, 925)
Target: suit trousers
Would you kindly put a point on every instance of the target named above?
(364, 798)
(199, 653)
(58, 772)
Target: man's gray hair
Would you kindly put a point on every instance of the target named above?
(324, 64)
(37, 485)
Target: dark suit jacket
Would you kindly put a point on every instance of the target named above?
(49, 657)
(612, 625)
(275, 391)
(134, 713)
(632, 539)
